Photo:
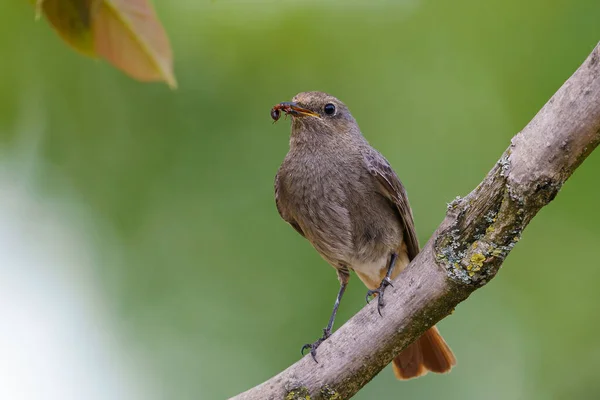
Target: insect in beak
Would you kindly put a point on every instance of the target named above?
(291, 108)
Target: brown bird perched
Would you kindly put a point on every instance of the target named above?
(343, 196)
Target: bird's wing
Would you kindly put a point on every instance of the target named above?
(393, 190)
(279, 193)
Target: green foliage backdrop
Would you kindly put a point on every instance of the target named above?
(173, 190)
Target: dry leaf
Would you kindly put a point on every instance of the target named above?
(127, 33)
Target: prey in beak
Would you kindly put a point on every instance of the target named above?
(291, 108)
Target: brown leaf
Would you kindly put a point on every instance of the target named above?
(125, 32)
(128, 34)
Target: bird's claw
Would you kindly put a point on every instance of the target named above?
(313, 346)
(379, 291)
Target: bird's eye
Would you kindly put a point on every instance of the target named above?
(329, 109)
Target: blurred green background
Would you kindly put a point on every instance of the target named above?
(141, 254)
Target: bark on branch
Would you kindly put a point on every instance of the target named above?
(465, 252)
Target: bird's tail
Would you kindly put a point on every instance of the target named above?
(428, 353)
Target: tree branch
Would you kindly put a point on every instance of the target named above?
(465, 252)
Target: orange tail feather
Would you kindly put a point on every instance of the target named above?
(428, 353)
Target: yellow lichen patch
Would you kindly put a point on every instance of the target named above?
(477, 259)
(298, 394)
(490, 229)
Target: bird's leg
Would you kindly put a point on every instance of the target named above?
(327, 331)
(387, 281)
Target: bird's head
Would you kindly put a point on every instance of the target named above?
(317, 113)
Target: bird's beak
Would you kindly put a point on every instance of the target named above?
(295, 110)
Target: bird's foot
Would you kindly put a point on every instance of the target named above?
(379, 291)
(313, 346)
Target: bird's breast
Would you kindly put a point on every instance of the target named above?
(337, 205)
(316, 197)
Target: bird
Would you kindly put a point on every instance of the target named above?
(343, 196)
